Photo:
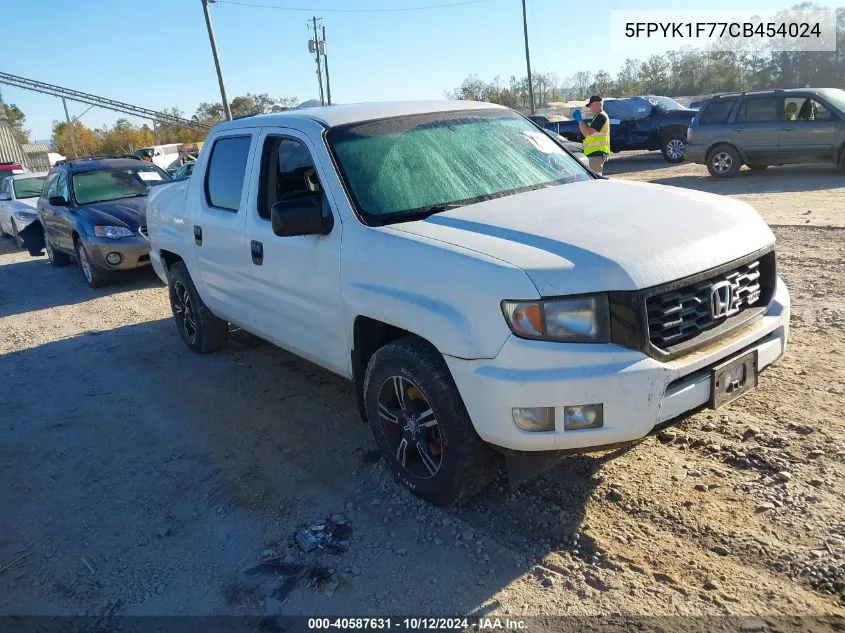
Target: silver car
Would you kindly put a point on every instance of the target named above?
(19, 194)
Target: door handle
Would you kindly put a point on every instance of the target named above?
(197, 235)
(257, 250)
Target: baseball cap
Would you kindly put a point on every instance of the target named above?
(593, 99)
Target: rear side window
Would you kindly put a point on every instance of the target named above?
(717, 112)
(224, 180)
(759, 110)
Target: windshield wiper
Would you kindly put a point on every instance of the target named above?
(435, 208)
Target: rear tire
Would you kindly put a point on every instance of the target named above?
(420, 424)
(57, 258)
(199, 327)
(95, 276)
(723, 162)
(673, 149)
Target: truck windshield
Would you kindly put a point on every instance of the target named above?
(409, 167)
(113, 184)
(29, 187)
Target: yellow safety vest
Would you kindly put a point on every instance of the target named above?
(600, 141)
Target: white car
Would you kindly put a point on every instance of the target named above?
(18, 197)
(485, 292)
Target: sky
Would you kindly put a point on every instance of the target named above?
(156, 54)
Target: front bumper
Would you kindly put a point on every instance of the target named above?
(638, 392)
(134, 252)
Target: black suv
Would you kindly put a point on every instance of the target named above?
(93, 209)
(760, 129)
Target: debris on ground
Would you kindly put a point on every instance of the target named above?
(332, 535)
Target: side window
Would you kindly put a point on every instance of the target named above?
(287, 170)
(717, 112)
(759, 110)
(53, 185)
(61, 186)
(4, 186)
(806, 109)
(224, 179)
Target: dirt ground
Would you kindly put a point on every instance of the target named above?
(139, 478)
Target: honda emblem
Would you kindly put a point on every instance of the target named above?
(721, 300)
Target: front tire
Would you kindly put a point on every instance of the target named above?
(673, 149)
(18, 240)
(57, 258)
(420, 424)
(95, 276)
(200, 329)
(723, 162)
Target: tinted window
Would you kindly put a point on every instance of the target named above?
(717, 112)
(287, 170)
(29, 187)
(224, 181)
(759, 110)
(114, 184)
(51, 185)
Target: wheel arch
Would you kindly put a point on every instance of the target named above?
(717, 144)
(368, 336)
(674, 129)
(169, 257)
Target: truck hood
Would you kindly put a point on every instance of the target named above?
(126, 212)
(602, 235)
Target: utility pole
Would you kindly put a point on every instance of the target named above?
(527, 57)
(326, 62)
(71, 130)
(216, 58)
(317, 51)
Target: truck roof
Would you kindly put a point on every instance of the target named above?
(332, 116)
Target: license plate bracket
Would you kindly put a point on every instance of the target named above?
(732, 379)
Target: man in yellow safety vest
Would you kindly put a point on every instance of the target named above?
(596, 135)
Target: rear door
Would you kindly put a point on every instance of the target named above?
(808, 131)
(218, 214)
(756, 129)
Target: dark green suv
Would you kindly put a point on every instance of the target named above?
(760, 129)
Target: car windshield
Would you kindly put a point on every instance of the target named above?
(665, 103)
(409, 167)
(112, 184)
(29, 187)
(836, 96)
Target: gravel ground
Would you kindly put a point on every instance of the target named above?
(139, 478)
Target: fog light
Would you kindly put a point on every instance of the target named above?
(535, 418)
(114, 258)
(585, 416)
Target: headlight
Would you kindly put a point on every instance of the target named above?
(26, 216)
(576, 320)
(114, 232)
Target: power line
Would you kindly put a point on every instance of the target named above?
(316, 10)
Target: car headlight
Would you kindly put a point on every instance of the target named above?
(26, 216)
(576, 320)
(114, 232)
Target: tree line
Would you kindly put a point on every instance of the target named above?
(124, 137)
(684, 72)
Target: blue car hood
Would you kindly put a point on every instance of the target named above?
(129, 213)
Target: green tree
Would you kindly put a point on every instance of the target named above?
(602, 84)
(16, 119)
(66, 136)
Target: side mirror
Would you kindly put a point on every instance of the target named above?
(57, 201)
(302, 215)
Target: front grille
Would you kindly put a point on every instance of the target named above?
(143, 231)
(682, 314)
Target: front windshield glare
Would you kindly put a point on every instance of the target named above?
(407, 167)
(113, 184)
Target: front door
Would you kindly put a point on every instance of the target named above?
(296, 280)
(218, 219)
(58, 220)
(756, 129)
(808, 131)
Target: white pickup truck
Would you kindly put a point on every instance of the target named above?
(485, 291)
